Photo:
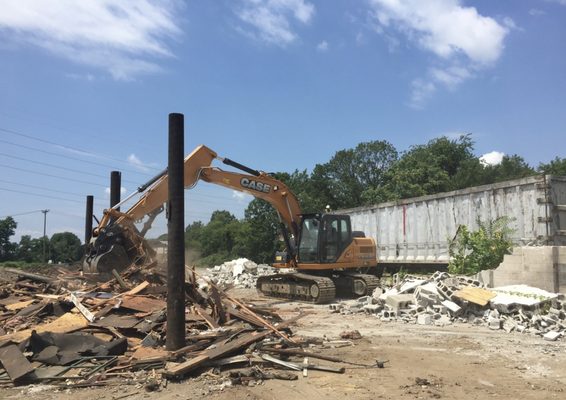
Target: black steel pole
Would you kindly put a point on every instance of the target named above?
(88, 218)
(175, 338)
(115, 186)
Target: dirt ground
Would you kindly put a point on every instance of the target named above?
(424, 362)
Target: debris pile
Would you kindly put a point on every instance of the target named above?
(241, 273)
(69, 331)
(443, 299)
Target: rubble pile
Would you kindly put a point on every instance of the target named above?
(443, 299)
(241, 273)
(71, 331)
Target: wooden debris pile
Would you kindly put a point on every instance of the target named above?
(114, 334)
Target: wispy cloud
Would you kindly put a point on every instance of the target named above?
(270, 21)
(322, 46)
(135, 162)
(124, 38)
(241, 197)
(535, 12)
(462, 41)
(561, 2)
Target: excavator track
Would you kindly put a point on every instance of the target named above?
(298, 286)
(363, 284)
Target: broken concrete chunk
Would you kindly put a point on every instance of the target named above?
(399, 301)
(551, 335)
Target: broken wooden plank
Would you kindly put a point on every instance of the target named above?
(28, 275)
(173, 370)
(220, 351)
(142, 303)
(138, 289)
(266, 324)
(15, 363)
(303, 353)
(475, 295)
(19, 305)
(84, 311)
(209, 320)
(119, 279)
(66, 323)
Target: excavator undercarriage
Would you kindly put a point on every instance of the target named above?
(317, 289)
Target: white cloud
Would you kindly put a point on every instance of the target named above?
(271, 19)
(123, 38)
(462, 40)
(322, 46)
(535, 12)
(561, 2)
(492, 158)
(241, 196)
(137, 163)
(421, 91)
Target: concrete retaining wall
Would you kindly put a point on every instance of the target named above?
(543, 267)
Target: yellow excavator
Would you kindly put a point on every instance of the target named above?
(327, 258)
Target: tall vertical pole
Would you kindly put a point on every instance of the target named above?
(115, 186)
(44, 231)
(88, 218)
(176, 231)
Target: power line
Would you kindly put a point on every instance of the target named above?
(73, 158)
(71, 148)
(41, 195)
(59, 167)
(41, 188)
(22, 213)
(52, 176)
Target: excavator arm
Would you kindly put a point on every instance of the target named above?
(117, 243)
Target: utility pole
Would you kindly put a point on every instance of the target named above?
(44, 231)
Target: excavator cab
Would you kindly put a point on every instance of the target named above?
(323, 238)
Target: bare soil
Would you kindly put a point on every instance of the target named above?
(424, 362)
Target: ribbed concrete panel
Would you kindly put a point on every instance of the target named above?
(418, 230)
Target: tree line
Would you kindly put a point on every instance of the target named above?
(62, 247)
(370, 173)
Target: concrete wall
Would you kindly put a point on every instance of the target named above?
(543, 267)
(418, 230)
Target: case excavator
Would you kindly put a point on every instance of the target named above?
(325, 256)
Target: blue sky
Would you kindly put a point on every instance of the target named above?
(86, 87)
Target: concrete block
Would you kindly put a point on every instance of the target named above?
(398, 301)
(552, 336)
(453, 307)
(424, 319)
(494, 323)
(509, 325)
(443, 320)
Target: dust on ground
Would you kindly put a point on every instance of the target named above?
(458, 361)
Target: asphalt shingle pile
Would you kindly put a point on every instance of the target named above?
(443, 299)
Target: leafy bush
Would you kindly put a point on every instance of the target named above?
(484, 248)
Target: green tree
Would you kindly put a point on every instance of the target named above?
(343, 180)
(7, 230)
(441, 165)
(262, 224)
(65, 247)
(510, 167)
(28, 249)
(554, 167)
(484, 248)
(193, 234)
